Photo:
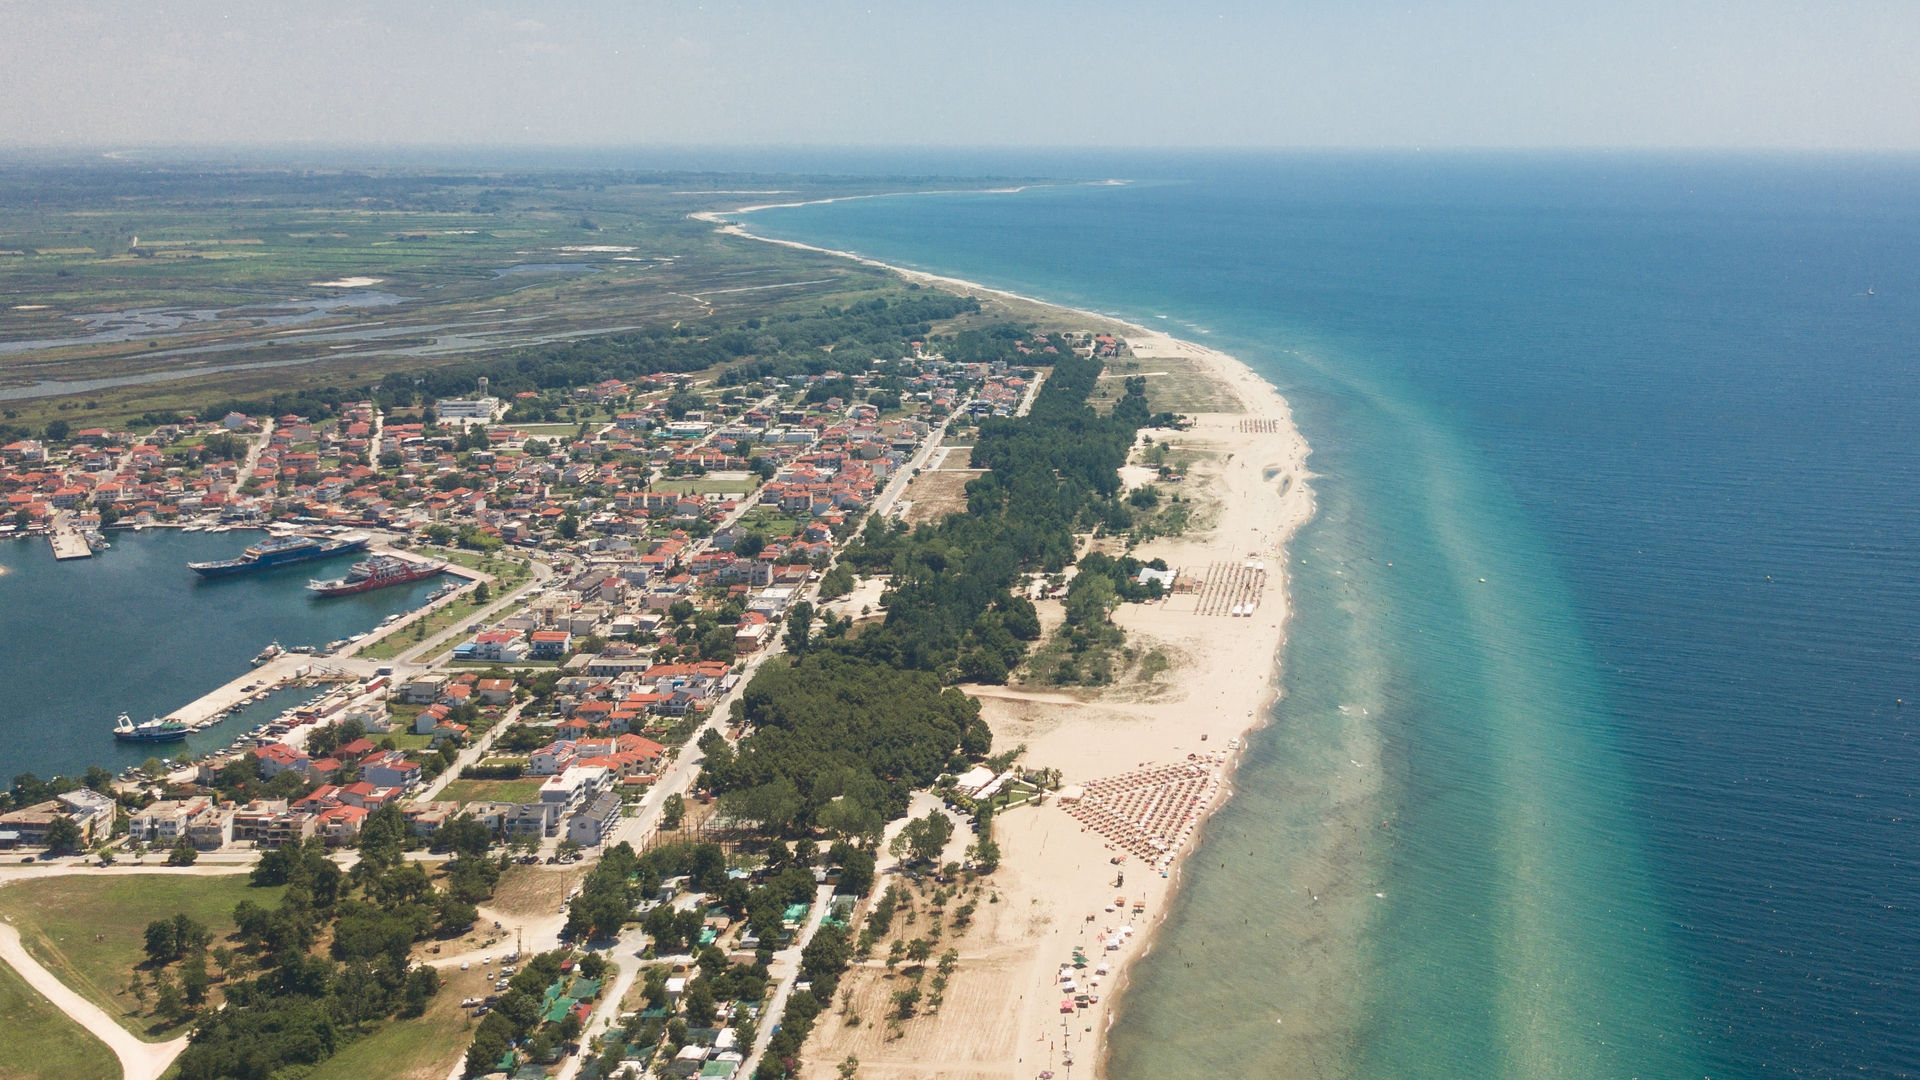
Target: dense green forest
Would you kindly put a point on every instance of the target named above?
(840, 741)
(1051, 473)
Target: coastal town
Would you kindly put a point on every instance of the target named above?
(621, 559)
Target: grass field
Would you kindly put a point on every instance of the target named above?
(424, 1048)
(41, 1043)
(515, 791)
(89, 931)
(509, 570)
(706, 485)
(413, 633)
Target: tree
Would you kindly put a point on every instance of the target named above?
(569, 527)
(183, 854)
(161, 943)
(800, 629)
(482, 593)
(194, 980)
(849, 1067)
(923, 839)
(58, 430)
(168, 1004)
(673, 811)
(698, 1005)
(63, 837)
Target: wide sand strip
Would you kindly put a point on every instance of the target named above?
(1062, 885)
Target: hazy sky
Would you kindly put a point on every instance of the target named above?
(1737, 73)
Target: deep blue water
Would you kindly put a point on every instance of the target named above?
(1645, 801)
(132, 629)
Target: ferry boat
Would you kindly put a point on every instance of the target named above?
(154, 730)
(282, 551)
(377, 573)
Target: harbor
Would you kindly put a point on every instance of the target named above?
(135, 631)
(68, 541)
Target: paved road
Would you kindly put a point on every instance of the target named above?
(470, 755)
(138, 1060)
(431, 647)
(625, 952)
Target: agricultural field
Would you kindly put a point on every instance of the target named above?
(135, 289)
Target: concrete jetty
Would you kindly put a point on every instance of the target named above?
(67, 540)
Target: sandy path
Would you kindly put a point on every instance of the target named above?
(138, 1060)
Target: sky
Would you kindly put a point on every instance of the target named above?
(1837, 74)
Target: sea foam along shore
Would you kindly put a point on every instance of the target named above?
(1248, 492)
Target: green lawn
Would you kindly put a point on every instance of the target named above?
(706, 485)
(507, 569)
(41, 1043)
(514, 791)
(413, 633)
(89, 931)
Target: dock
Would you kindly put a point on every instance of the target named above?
(67, 540)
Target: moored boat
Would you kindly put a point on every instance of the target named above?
(154, 730)
(377, 572)
(282, 551)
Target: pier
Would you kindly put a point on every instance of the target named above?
(67, 540)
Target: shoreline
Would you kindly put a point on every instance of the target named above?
(1256, 513)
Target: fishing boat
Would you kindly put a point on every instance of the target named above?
(154, 730)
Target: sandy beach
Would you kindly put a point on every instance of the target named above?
(1065, 883)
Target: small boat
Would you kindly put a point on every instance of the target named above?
(268, 653)
(154, 730)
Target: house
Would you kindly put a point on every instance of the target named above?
(550, 644)
(339, 824)
(391, 770)
(368, 796)
(424, 689)
(573, 787)
(499, 645)
(551, 759)
(276, 758)
(164, 822)
(495, 691)
(30, 825)
(596, 821)
(425, 818)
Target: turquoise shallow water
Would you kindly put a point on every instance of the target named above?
(132, 629)
(1638, 803)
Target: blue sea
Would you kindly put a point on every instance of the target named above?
(1597, 755)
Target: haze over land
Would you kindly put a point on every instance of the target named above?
(1770, 73)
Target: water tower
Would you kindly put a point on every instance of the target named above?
(483, 386)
